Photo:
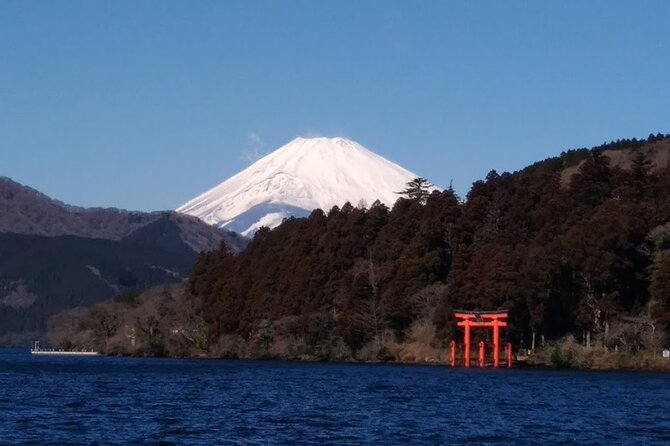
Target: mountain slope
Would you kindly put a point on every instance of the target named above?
(303, 175)
(591, 257)
(24, 210)
(40, 276)
(382, 283)
(54, 256)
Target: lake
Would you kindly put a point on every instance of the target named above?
(101, 400)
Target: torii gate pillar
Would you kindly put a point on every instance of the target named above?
(467, 343)
(496, 343)
(483, 319)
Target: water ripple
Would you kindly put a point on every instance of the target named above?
(110, 401)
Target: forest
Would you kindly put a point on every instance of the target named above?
(578, 245)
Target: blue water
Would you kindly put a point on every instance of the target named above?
(99, 400)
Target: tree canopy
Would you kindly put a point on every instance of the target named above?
(591, 254)
(562, 258)
(417, 189)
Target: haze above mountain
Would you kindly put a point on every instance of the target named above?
(305, 174)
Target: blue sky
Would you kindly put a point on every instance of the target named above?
(143, 105)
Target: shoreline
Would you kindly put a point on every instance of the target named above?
(535, 361)
(660, 366)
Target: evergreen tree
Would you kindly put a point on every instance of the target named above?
(593, 184)
(660, 279)
(417, 189)
(555, 253)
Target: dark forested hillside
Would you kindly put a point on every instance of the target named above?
(561, 256)
(587, 251)
(40, 276)
(54, 256)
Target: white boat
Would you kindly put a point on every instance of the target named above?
(36, 350)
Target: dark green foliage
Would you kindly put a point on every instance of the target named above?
(417, 189)
(323, 265)
(44, 275)
(593, 184)
(54, 256)
(660, 280)
(561, 256)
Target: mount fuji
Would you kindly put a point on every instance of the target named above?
(305, 174)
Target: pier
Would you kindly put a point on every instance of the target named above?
(37, 350)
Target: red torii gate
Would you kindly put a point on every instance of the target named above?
(484, 319)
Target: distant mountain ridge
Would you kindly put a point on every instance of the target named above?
(305, 174)
(24, 210)
(54, 256)
(40, 276)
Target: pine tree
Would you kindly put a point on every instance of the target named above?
(593, 184)
(417, 189)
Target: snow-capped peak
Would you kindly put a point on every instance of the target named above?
(305, 174)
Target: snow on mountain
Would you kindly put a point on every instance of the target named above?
(305, 174)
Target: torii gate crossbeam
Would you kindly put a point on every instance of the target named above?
(482, 319)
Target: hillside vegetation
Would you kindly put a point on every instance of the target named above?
(54, 256)
(40, 276)
(586, 253)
